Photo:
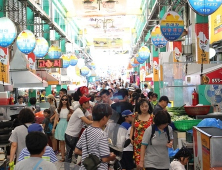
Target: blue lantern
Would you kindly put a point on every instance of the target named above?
(73, 60)
(8, 32)
(41, 48)
(65, 61)
(54, 52)
(26, 42)
(144, 53)
(84, 71)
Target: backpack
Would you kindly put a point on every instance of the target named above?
(49, 128)
(153, 131)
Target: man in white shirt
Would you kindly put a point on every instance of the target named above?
(75, 125)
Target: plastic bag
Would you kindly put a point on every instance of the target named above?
(172, 152)
(209, 122)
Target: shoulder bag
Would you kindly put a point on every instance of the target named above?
(91, 162)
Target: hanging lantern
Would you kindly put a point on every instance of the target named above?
(54, 52)
(135, 61)
(41, 48)
(26, 41)
(134, 65)
(93, 66)
(8, 32)
(84, 71)
(73, 60)
(144, 53)
(89, 74)
(139, 60)
(81, 63)
(66, 62)
(129, 67)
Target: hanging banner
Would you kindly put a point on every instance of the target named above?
(54, 52)
(4, 72)
(204, 7)
(157, 38)
(26, 41)
(216, 25)
(177, 51)
(31, 58)
(8, 32)
(172, 26)
(156, 68)
(41, 48)
(202, 43)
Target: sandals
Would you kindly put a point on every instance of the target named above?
(62, 160)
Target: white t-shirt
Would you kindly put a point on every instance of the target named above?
(75, 123)
(63, 113)
(130, 146)
(176, 165)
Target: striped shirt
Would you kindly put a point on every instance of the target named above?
(98, 145)
(49, 155)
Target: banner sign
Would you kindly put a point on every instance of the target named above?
(157, 38)
(206, 7)
(202, 43)
(4, 65)
(172, 26)
(156, 68)
(214, 77)
(49, 63)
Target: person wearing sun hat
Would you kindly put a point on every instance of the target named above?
(49, 154)
(75, 126)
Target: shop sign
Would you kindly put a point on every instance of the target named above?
(54, 52)
(26, 41)
(172, 26)
(214, 77)
(144, 53)
(49, 63)
(216, 25)
(84, 71)
(8, 32)
(4, 65)
(205, 7)
(202, 43)
(157, 38)
(156, 68)
(41, 48)
(177, 51)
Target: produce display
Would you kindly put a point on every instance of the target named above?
(178, 113)
(178, 118)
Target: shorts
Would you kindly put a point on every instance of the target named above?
(127, 161)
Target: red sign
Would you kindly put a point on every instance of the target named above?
(214, 77)
(50, 63)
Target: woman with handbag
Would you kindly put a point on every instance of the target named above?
(93, 144)
(61, 117)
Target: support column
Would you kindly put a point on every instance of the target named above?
(48, 90)
(155, 55)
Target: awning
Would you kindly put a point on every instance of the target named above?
(47, 77)
(26, 79)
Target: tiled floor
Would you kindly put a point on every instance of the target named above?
(65, 166)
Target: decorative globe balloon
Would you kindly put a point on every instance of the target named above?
(26, 42)
(84, 71)
(41, 48)
(144, 53)
(73, 60)
(66, 62)
(134, 65)
(8, 32)
(81, 63)
(139, 60)
(54, 52)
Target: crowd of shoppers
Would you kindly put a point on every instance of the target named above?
(79, 121)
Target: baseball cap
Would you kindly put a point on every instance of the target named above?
(84, 90)
(35, 127)
(131, 89)
(126, 113)
(50, 96)
(164, 98)
(83, 100)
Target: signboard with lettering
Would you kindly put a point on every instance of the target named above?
(214, 77)
(216, 25)
(8, 32)
(157, 38)
(172, 26)
(205, 7)
(4, 65)
(41, 48)
(202, 43)
(49, 63)
(156, 68)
